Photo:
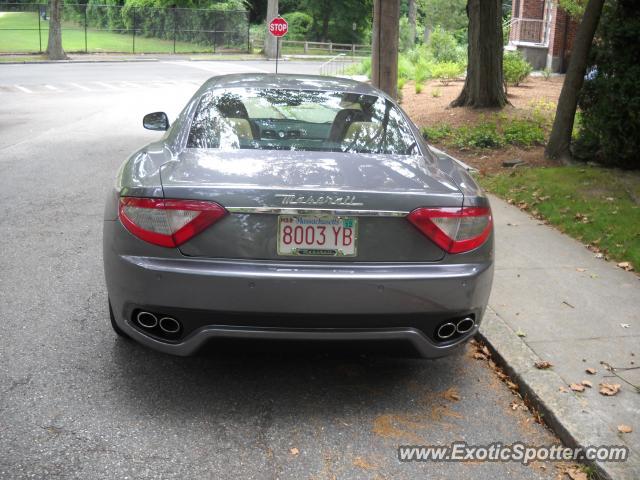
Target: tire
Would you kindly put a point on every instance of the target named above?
(114, 325)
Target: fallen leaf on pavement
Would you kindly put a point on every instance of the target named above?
(543, 365)
(587, 383)
(591, 371)
(625, 429)
(625, 325)
(479, 356)
(563, 390)
(294, 451)
(575, 473)
(486, 351)
(626, 266)
(511, 385)
(577, 387)
(581, 269)
(609, 389)
(521, 334)
(451, 394)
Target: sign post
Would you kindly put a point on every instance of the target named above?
(278, 27)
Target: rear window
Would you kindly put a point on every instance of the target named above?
(304, 120)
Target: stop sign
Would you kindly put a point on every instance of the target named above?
(278, 27)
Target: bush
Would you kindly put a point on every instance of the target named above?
(446, 72)
(437, 132)
(523, 132)
(299, 25)
(610, 100)
(515, 68)
(418, 87)
(444, 46)
(482, 135)
(436, 93)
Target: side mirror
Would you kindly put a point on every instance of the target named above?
(155, 121)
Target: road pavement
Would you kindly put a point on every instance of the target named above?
(78, 402)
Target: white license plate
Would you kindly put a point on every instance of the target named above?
(311, 235)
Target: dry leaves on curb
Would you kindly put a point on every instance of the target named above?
(451, 394)
(591, 371)
(577, 387)
(587, 383)
(575, 473)
(626, 266)
(609, 389)
(625, 429)
(294, 451)
(543, 365)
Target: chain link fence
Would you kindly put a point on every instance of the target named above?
(24, 28)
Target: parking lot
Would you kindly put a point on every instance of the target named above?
(78, 402)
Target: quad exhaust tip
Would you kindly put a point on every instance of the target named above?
(465, 325)
(147, 320)
(169, 325)
(446, 330)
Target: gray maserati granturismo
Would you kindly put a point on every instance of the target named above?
(294, 207)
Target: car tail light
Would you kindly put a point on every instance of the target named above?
(167, 223)
(455, 230)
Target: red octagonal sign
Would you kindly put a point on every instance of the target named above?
(278, 27)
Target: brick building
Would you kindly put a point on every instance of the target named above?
(543, 32)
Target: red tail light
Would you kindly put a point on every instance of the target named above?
(455, 230)
(167, 223)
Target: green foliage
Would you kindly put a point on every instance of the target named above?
(546, 73)
(594, 205)
(574, 8)
(406, 69)
(444, 47)
(436, 93)
(610, 99)
(446, 72)
(299, 25)
(515, 68)
(495, 132)
(401, 82)
(418, 87)
(451, 15)
(437, 133)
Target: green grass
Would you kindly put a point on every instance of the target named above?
(598, 206)
(15, 40)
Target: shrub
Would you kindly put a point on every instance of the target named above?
(418, 87)
(546, 73)
(299, 25)
(482, 135)
(436, 93)
(446, 72)
(610, 100)
(524, 132)
(515, 68)
(443, 46)
(405, 68)
(401, 82)
(437, 132)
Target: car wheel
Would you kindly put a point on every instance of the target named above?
(114, 325)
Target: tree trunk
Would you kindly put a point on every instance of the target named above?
(558, 147)
(384, 49)
(325, 25)
(54, 46)
(484, 85)
(270, 40)
(413, 12)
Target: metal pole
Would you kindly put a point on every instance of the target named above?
(39, 29)
(133, 49)
(86, 49)
(277, 52)
(248, 34)
(175, 23)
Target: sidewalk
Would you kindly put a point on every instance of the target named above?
(553, 300)
(7, 58)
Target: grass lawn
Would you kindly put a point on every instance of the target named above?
(598, 206)
(19, 34)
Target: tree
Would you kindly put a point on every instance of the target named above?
(54, 46)
(413, 12)
(558, 147)
(484, 86)
(270, 45)
(384, 54)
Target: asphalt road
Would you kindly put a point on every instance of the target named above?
(78, 402)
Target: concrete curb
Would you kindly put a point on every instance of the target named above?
(565, 413)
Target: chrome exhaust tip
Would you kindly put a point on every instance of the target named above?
(147, 320)
(465, 325)
(446, 330)
(169, 325)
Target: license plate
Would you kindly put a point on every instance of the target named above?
(309, 235)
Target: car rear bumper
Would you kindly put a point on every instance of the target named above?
(295, 301)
